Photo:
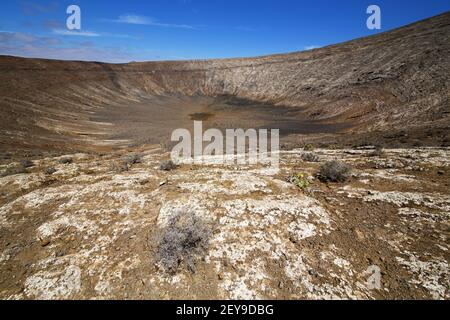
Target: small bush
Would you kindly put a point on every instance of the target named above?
(26, 163)
(66, 160)
(299, 180)
(309, 147)
(377, 152)
(310, 157)
(13, 171)
(167, 165)
(183, 242)
(334, 171)
(132, 159)
(126, 162)
(119, 167)
(334, 146)
(50, 171)
(167, 144)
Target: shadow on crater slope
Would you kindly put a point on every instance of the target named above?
(391, 87)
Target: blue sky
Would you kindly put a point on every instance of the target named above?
(133, 30)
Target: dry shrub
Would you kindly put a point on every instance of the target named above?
(50, 171)
(167, 166)
(334, 171)
(26, 163)
(119, 167)
(131, 159)
(377, 152)
(66, 160)
(310, 157)
(14, 170)
(183, 242)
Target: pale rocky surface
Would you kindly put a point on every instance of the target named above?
(89, 232)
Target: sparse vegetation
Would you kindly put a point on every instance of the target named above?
(119, 167)
(334, 171)
(378, 151)
(126, 162)
(50, 171)
(183, 242)
(66, 160)
(14, 170)
(310, 157)
(334, 147)
(299, 180)
(132, 159)
(167, 144)
(167, 165)
(26, 163)
(309, 147)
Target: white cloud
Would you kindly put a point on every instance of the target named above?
(8, 37)
(311, 47)
(33, 46)
(147, 21)
(134, 19)
(72, 53)
(63, 32)
(30, 8)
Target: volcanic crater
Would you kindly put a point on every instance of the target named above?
(84, 202)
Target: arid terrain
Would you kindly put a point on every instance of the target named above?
(86, 211)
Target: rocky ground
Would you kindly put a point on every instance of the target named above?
(86, 212)
(91, 229)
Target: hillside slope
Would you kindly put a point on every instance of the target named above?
(395, 79)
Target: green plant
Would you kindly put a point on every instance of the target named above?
(309, 147)
(299, 180)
